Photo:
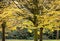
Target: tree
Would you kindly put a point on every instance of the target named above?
(34, 14)
(37, 9)
(4, 18)
(3, 30)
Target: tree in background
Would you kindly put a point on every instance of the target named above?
(3, 30)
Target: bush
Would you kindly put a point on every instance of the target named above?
(20, 34)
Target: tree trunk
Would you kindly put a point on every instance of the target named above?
(41, 33)
(57, 34)
(3, 34)
(3, 31)
(35, 35)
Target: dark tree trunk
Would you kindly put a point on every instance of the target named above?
(3, 34)
(41, 34)
(3, 30)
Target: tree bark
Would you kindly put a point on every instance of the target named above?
(3, 34)
(57, 34)
(35, 30)
(3, 31)
(35, 35)
(41, 34)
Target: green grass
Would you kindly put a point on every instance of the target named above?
(31, 40)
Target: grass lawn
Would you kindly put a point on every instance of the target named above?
(30, 40)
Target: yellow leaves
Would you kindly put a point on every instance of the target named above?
(54, 12)
(40, 1)
(6, 12)
(29, 30)
(46, 21)
(52, 30)
(19, 18)
(11, 22)
(49, 26)
(8, 24)
(10, 11)
(12, 28)
(1, 4)
(1, 11)
(45, 18)
(55, 24)
(29, 23)
(38, 33)
(57, 2)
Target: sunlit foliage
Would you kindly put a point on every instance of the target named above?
(21, 13)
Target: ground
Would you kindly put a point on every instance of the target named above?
(30, 40)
